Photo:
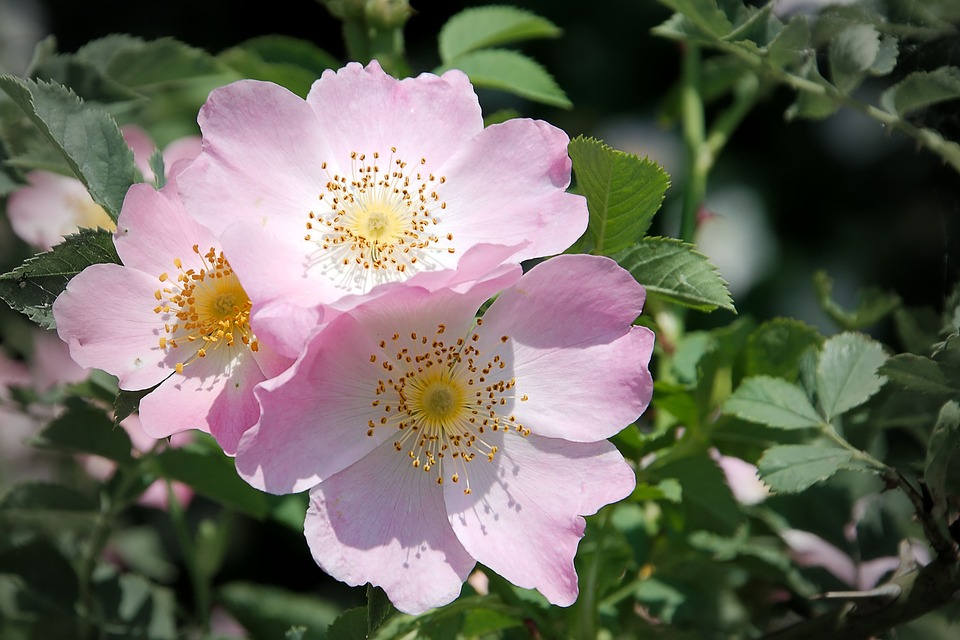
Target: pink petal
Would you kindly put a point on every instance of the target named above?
(575, 356)
(262, 151)
(142, 146)
(523, 517)
(381, 521)
(106, 315)
(507, 186)
(362, 110)
(810, 550)
(50, 207)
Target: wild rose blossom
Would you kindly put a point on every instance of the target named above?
(432, 440)
(370, 180)
(174, 314)
(52, 206)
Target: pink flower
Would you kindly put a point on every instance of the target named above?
(370, 180)
(52, 206)
(432, 440)
(174, 314)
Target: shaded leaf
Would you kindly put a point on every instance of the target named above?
(944, 442)
(675, 270)
(149, 65)
(808, 104)
(49, 580)
(47, 507)
(922, 89)
(705, 14)
(290, 62)
(83, 428)
(212, 474)
(792, 44)
(511, 72)
(791, 468)
(87, 137)
(350, 625)
(847, 372)
(707, 501)
(773, 402)
(776, 346)
(872, 304)
(920, 374)
(852, 53)
(623, 193)
(268, 611)
(32, 287)
(482, 27)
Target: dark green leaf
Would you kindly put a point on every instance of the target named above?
(350, 625)
(775, 348)
(49, 580)
(88, 138)
(150, 65)
(379, 608)
(290, 62)
(127, 402)
(47, 507)
(675, 270)
(83, 428)
(707, 501)
(944, 442)
(511, 72)
(847, 372)
(482, 27)
(623, 193)
(872, 304)
(922, 89)
(791, 468)
(705, 14)
(668, 489)
(773, 402)
(32, 287)
(212, 474)
(269, 611)
(811, 105)
(919, 374)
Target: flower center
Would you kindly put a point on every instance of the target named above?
(444, 400)
(211, 308)
(379, 224)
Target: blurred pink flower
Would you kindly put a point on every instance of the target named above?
(742, 479)
(174, 315)
(52, 206)
(370, 180)
(432, 440)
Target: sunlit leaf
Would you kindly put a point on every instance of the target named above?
(482, 27)
(847, 372)
(511, 72)
(773, 402)
(88, 138)
(791, 468)
(675, 270)
(32, 287)
(623, 193)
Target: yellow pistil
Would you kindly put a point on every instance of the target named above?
(444, 400)
(380, 223)
(210, 307)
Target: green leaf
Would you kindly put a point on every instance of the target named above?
(32, 287)
(268, 611)
(212, 474)
(922, 89)
(290, 62)
(707, 501)
(150, 65)
(776, 346)
(88, 138)
(810, 105)
(773, 402)
(944, 442)
(83, 428)
(705, 14)
(873, 304)
(791, 468)
(852, 53)
(847, 372)
(920, 374)
(482, 27)
(623, 193)
(49, 579)
(47, 507)
(675, 270)
(379, 608)
(886, 60)
(790, 46)
(128, 402)
(511, 72)
(350, 625)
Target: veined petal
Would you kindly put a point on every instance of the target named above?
(577, 361)
(508, 185)
(106, 315)
(383, 522)
(523, 516)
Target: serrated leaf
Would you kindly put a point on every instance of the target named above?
(675, 270)
(623, 193)
(776, 346)
(32, 287)
(792, 44)
(88, 138)
(511, 72)
(919, 374)
(922, 89)
(705, 14)
(268, 611)
(773, 402)
(791, 468)
(212, 474)
(852, 53)
(482, 27)
(941, 450)
(810, 105)
(886, 60)
(84, 428)
(149, 65)
(872, 304)
(128, 402)
(847, 372)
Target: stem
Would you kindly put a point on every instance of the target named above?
(858, 454)
(586, 606)
(201, 591)
(698, 160)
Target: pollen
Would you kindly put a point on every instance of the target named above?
(210, 307)
(376, 222)
(443, 402)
